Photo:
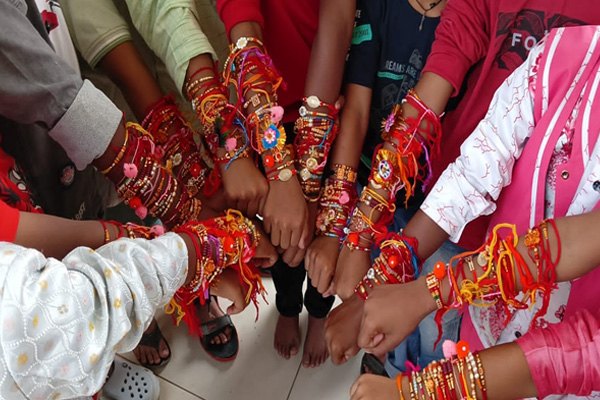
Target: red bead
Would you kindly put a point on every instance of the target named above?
(269, 161)
(229, 244)
(135, 202)
(462, 349)
(195, 170)
(439, 270)
(393, 261)
(353, 238)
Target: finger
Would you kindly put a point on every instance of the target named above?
(298, 255)
(368, 330)
(238, 305)
(261, 205)
(308, 262)
(355, 385)
(284, 239)
(304, 235)
(325, 278)
(252, 208)
(241, 205)
(275, 236)
(387, 344)
(330, 291)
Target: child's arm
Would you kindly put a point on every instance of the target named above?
(440, 80)
(322, 255)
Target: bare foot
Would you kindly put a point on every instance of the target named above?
(212, 311)
(287, 336)
(315, 346)
(147, 354)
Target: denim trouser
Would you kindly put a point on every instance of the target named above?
(418, 348)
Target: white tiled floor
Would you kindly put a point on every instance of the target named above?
(257, 373)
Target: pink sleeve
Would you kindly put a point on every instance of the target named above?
(565, 358)
(232, 12)
(461, 40)
(10, 221)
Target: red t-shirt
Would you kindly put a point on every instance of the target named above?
(289, 28)
(14, 197)
(485, 41)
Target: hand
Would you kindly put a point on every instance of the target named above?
(245, 186)
(320, 262)
(284, 214)
(230, 287)
(266, 254)
(351, 268)
(391, 313)
(341, 330)
(374, 387)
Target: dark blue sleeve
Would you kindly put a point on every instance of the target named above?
(363, 56)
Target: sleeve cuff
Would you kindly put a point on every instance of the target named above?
(438, 63)
(88, 126)
(233, 13)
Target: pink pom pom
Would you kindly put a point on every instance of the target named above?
(276, 114)
(130, 170)
(344, 198)
(158, 230)
(449, 348)
(230, 144)
(141, 212)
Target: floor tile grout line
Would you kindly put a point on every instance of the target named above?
(181, 388)
(294, 381)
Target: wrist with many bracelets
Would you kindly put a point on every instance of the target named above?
(501, 263)
(315, 134)
(222, 124)
(224, 242)
(179, 146)
(398, 262)
(336, 203)
(460, 376)
(146, 185)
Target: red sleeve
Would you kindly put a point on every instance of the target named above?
(461, 40)
(9, 221)
(232, 12)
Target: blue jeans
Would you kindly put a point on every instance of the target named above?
(418, 347)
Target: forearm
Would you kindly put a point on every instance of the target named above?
(541, 264)
(329, 49)
(507, 376)
(54, 236)
(127, 70)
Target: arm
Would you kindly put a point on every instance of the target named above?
(109, 296)
(125, 67)
(39, 88)
(172, 31)
(507, 377)
(323, 252)
(453, 53)
(580, 255)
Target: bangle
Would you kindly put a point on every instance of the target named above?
(399, 385)
(119, 156)
(106, 233)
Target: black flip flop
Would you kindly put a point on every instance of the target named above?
(371, 365)
(222, 351)
(153, 340)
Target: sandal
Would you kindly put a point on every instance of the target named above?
(372, 365)
(211, 329)
(152, 340)
(130, 381)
